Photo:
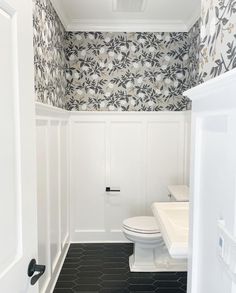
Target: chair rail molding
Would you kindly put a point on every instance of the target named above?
(214, 89)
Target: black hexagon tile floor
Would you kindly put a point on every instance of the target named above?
(104, 268)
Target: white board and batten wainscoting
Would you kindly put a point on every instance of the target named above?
(79, 154)
(139, 154)
(52, 148)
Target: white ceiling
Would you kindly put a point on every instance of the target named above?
(154, 15)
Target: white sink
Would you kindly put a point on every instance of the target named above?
(173, 219)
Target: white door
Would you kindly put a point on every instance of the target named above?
(18, 243)
(212, 247)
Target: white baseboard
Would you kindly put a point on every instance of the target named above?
(108, 241)
(58, 267)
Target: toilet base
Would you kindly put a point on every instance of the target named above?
(146, 259)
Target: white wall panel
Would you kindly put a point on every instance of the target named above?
(43, 201)
(138, 153)
(126, 169)
(88, 146)
(52, 191)
(64, 181)
(165, 158)
(82, 153)
(187, 148)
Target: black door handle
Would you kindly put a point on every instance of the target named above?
(108, 189)
(33, 268)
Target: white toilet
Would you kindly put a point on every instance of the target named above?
(145, 234)
(150, 253)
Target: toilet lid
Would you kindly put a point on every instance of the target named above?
(141, 225)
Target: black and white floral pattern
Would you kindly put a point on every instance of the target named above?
(49, 57)
(193, 64)
(111, 71)
(218, 38)
(130, 71)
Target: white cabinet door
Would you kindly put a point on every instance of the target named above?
(18, 226)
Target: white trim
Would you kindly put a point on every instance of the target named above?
(127, 113)
(211, 87)
(187, 146)
(66, 240)
(126, 25)
(194, 208)
(57, 270)
(115, 6)
(193, 19)
(60, 12)
(48, 204)
(101, 241)
(59, 178)
(42, 109)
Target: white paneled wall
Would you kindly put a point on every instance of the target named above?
(52, 190)
(82, 153)
(164, 157)
(88, 174)
(139, 154)
(125, 172)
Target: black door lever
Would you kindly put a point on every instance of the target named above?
(108, 189)
(33, 268)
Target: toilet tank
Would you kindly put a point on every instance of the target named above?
(178, 193)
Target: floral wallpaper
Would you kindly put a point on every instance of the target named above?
(218, 38)
(49, 57)
(111, 71)
(130, 71)
(193, 61)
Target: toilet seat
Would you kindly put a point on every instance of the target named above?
(141, 225)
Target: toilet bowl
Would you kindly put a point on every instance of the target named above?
(145, 234)
(150, 253)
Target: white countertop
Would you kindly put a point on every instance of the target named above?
(179, 192)
(173, 220)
